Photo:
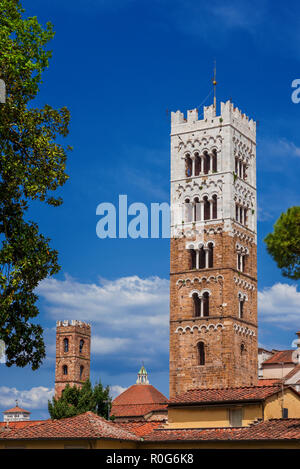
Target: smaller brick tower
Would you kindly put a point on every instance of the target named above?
(73, 355)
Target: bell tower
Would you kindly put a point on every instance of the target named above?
(73, 343)
(213, 271)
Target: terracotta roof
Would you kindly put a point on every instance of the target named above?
(268, 382)
(90, 426)
(292, 372)
(21, 423)
(206, 396)
(275, 429)
(140, 394)
(136, 410)
(138, 400)
(282, 356)
(87, 425)
(140, 428)
(16, 409)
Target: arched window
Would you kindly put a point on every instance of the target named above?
(241, 306)
(81, 371)
(81, 343)
(201, 353)
(197, 305)
(210, 255)
(188, 166)
(245, 217)
(242, 348)
(188, 208)
(206, 162)
(205, 299)
(236, 212)
(201, 258)
(240, 168)
(197, 214)
(244, 258)
(206, 208)
(193, 259)
(197, 164)
(65, 370)
(214, 161)
(239, 262)
(215, 206)
(66, 345)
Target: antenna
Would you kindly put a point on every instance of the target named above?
(214, 81)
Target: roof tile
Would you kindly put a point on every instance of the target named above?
(87, 425)
(247, 393)
(138, 400)
(275, 429)
(282, 356)
(16, 409)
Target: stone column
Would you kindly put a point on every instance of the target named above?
(210, 209)
(242, 262)
(197, 211)
(193, 166)
(197, 258)
(206, 250)
(201, 210)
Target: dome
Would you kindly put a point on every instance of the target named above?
(139, 400)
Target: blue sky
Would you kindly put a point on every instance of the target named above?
(118, 65)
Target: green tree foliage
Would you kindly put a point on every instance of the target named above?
(32, 166)
(284, 243)
(74, 401)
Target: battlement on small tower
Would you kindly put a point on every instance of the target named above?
(72, 323)
(229, 115)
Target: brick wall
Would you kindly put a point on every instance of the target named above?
(222, 332)
(73, 358)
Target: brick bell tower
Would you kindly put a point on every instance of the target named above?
(73, 344)
(213, 277)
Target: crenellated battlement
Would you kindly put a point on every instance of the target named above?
(72, 322)
(229, 115)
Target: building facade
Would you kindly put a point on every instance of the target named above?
(213, 270)
(73, 354)
(16, 414)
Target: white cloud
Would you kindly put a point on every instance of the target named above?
(104, 345)
(116, 390)
(238, 14)
(280, 304)
(262, 214)
(129, 316)
(105, 301)
(279, 148)
(217, 18)
(34, 398)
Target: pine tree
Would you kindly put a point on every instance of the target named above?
(284, 243)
